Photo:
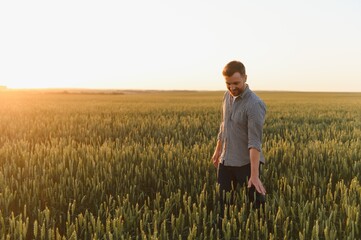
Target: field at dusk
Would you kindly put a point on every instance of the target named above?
(137, 165)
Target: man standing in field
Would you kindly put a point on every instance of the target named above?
(238, 153)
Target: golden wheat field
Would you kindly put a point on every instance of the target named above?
(138, 166)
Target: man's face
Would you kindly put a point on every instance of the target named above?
(236, 83)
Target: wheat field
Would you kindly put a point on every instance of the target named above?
(138, 166)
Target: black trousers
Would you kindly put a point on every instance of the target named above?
(229, 177)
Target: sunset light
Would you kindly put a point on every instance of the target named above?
(299, 46)
(191, 119)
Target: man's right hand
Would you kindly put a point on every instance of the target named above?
(215, 159)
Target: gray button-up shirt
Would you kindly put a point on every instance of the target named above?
(241, 128)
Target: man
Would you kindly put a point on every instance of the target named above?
(238, 152)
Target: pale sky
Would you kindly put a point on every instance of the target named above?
(301, 45)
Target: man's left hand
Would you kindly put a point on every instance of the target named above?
(256, 182)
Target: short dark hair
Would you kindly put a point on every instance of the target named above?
(233, 67)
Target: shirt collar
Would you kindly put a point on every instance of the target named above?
(245, 91)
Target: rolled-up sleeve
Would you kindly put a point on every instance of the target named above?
(256, 117)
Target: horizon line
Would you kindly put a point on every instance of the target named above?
(4, 88)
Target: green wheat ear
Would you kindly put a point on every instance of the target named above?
(35, 228)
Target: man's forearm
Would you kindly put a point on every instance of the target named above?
(218, 149)
(255, 159)
(254, 178)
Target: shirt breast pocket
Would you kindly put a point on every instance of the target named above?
(240, 117)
